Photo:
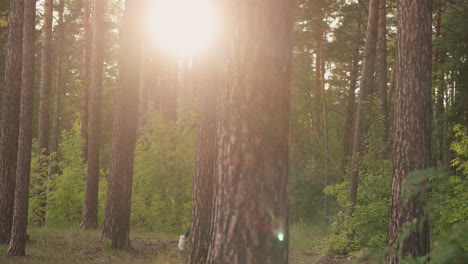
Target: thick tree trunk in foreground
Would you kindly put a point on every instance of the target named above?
(412, 135)
(9, 124)
(117, 214)
(90, 217)
(54, 144)
(17, 245)
(350, 105)
(85, 75)
(44, 109)
(382, 67)
(204, 180)
(251, 215)
(364, 92)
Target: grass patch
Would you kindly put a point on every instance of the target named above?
(73, 245)
(307, 237)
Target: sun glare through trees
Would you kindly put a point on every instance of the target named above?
(182, 27)
(233, 131)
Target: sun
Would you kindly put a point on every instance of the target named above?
(182, 27)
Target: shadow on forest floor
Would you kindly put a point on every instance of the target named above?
(72, 245)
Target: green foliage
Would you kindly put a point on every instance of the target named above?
(451, 190)
(367, 228)
(65, 198)
(164, 167)
(65, 191)
(38, 186)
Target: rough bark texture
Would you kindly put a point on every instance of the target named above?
(204, 180)
(90, 217)
(382, 66)
(17, 245)
(367, 82)
(117, 213)
(85, 75)
(54, 144)
(252, 169)
(9, 124)
(44, 108)
(348, 133)
(412, 127)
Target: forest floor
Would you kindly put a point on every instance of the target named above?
(73, 245)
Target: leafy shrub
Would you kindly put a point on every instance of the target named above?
(367, 228)
(66, 191)
(164, 167)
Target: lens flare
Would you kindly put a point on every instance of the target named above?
(183, 27)
(280, 236)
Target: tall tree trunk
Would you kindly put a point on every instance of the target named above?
(145, 83)
(364, 92)
(412, 135)
(318, 74)
(85, 75)
(325, 139)
(9, 124)
(439, 82)
(17, 245)
(168, 91)
(44, 110)
(204, 180)
(90, 217)
(391, 87)
(251, 215)
(348, 133)
(382, 67)
(117, 213)
(54, 146)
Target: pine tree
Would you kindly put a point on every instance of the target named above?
(117, 212)
(90, 217)
(9, 124)
(17, 245)
(412, 127)
(251, 212)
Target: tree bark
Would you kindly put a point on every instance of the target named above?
(364, 92)
(412, 135)
(325, 139)
(85, 75)
(44, 109)
(204, 180)
(9, 124)
(318, 75)
(90, 217)
(439, 82)
(17, 245)
(117, 213)
(54, 146)
(382, 67)
(251, 215)
(391, 87)
(348, 133)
